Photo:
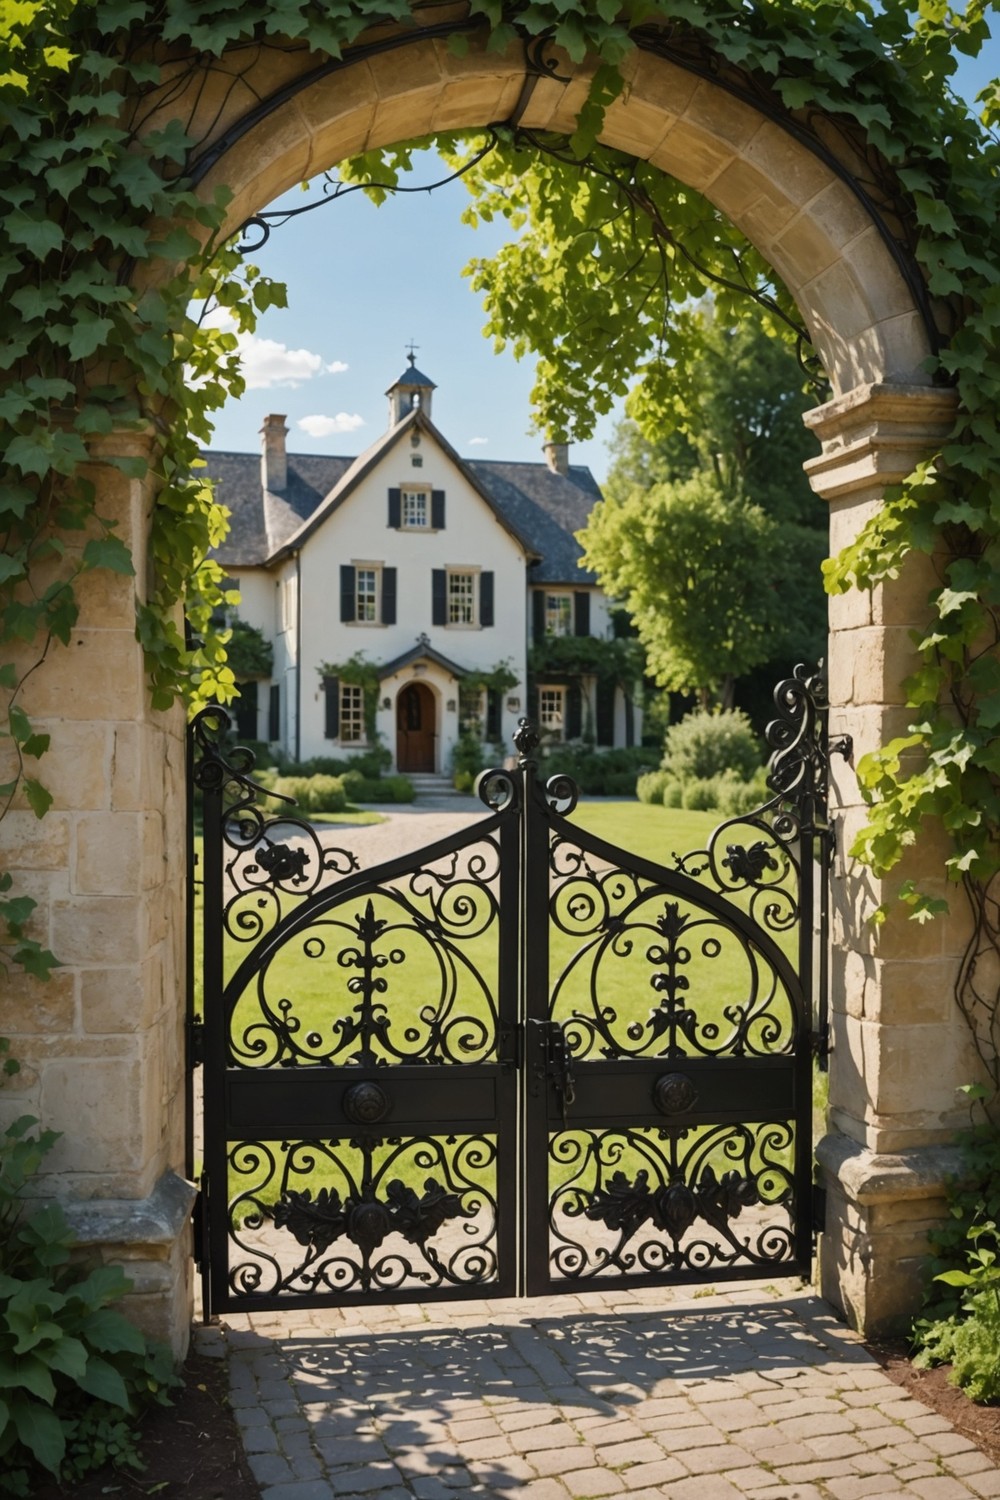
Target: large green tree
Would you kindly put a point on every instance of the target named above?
(710, 533)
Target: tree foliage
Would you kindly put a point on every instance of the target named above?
(710, 534)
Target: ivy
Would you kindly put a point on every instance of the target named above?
(109, 261)
(360, 672)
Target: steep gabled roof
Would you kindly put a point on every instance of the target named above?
(422, 651)
(539, 508)
(367, 461)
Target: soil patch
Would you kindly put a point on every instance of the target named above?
(191, 1449)
(980, 1424)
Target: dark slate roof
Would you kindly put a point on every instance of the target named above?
(412, 377)
(546, 507)
(539, 507)
(259, 524)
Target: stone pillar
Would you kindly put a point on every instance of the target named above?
(101, 1044)
(900, 1046)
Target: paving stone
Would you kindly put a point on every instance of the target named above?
(378, 1476)
(554, 1435)
(640, 1476)
(716, 1460)
(861, 1486)
(942, 1487)
(554, 1461)
(588, 1484)
(260, 1439)
(299, 1489)
(270, 1468)
(638, 1451)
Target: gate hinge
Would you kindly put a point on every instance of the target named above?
(818, 1209)
(195, 1043)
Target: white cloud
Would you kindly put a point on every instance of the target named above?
(267, 363)
(221, 318)
(336, 367)
(319, 427)
(477, 442)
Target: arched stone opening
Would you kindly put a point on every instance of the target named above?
(105, 1048)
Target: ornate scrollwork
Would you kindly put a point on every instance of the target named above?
(667, 1181)
(716, 992)
(402, 972)
(361, 1198)
(498, 789)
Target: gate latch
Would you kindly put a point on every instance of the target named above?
(560, 1066)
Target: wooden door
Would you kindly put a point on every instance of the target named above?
(415, 728)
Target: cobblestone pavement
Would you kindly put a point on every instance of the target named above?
(753, 1392)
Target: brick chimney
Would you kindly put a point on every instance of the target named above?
(557, 457)
(273, 457)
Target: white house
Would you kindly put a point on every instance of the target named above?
(401, 590)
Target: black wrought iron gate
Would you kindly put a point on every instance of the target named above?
(519, 1060)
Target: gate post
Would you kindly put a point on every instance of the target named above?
(101, 1044)
(899, 1046)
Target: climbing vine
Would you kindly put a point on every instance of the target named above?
(106, 246)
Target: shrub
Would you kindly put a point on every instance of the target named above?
(396, 789)
(673, 794)
(651, 785)
(703, 745)
(600, 773)
(74, 1372)
(466, 761)
(738, 797)
(701, 794)
(313, 794)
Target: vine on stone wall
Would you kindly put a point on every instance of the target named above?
(104, 246)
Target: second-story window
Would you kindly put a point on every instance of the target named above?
(366, 595)
(558, 614)
(461, 598)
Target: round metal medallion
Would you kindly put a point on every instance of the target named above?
(674, 1093)
(366, 1103)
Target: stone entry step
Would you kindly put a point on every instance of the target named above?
(426, 784)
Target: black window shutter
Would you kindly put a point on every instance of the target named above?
(274, 712)
(395, 509)
(581, 614)
(439, 597)
(346, 591)
(437, 509)
(246, 711)
(533, 702)
(388, 596)
(538, 615)
(331, 687)
(493, 705)
(486, 598)
(574, 711)
(605, 711)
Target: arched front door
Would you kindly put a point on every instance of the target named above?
(415, 728)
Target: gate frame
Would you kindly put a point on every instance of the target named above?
(103, 1043)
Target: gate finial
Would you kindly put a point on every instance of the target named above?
(526, 740)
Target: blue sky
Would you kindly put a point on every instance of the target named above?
(364, 281)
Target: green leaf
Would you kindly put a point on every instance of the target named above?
(109, 552)
(39, 800)
(41, 1432)
(39, 235)
(112, 1333)
(103, 1381)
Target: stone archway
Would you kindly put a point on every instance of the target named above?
(105, 1046)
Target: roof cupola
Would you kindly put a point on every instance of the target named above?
(411, 391)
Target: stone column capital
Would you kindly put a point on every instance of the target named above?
(875, 435)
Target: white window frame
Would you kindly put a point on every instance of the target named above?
(561, 612)
(352, 714)
(552, 713)
(454, 599)
(414, 492)
(374, 599)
